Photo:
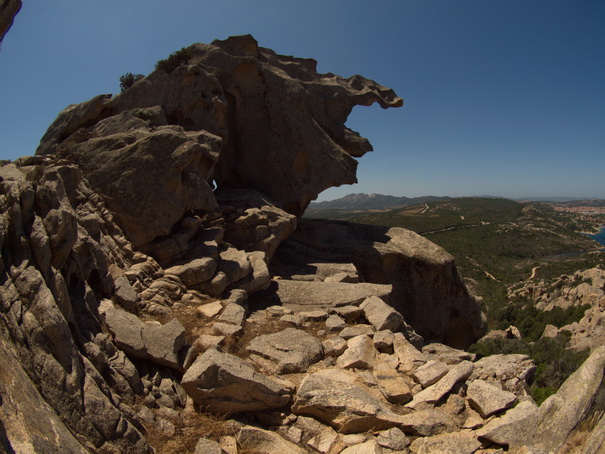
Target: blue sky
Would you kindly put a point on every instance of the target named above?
(502, 97)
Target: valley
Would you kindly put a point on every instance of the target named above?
(526, 261)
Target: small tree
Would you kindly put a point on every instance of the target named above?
(129, 79)
(175, 60)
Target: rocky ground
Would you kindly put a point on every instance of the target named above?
(160, 292)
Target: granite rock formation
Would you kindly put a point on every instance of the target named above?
(155, 274)
(8, 11)
(275, 115)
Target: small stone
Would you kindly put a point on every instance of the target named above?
(380, 315)
(343, 277)
(273, 418)
(229, 444)
(210, 310)
(233, 313)
(434, 393)
(393, 439)
(324, 441)
(224, 384)
(349, 313)
(353, 439)
(455, 404)
(294, 434)
(335, 323)
(291, 319)
(312, 316)
(166, 427)
(360, 354)
(368, 447)
(226, 329)
(207, 446)
(334, 346)
(288, 351)
(253, 439)
(448, 443)
(206, 341)
(383, 340)
(394, 388)
(195, 271)
(488, 399)
(447, 354)
(277, 311)
(356, 330)
(430, 373)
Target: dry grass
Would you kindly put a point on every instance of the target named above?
(194, 426)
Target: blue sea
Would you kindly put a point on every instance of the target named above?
(599, 237)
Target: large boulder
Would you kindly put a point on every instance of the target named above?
(337, 398)
(436, 392)
(288, 351)
(159, 344)
(427, 289)
(223, 383)
(304, 295)
(561, 413)
(549, 427)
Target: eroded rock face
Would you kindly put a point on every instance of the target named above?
(58, 243)
(8, 11)
(281, 122)
(149, 176)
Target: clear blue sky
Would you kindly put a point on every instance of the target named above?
(502, 97)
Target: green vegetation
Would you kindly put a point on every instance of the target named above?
(129, 79)
(531, 321)
(498, 243)
(175, 60)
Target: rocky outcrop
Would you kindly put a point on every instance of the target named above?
(8, 11)
(105, 282)
(58, 246)
(584, 288)
(426, 288)
(275, 115)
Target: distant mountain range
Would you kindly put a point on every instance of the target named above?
(371, 202)
(386, 202)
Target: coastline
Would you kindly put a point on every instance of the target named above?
(599, 237)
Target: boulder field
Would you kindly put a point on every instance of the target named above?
(156, 272)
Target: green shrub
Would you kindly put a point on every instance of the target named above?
(129, 79)
(144, 114)
(539, 395)
(175, 60)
